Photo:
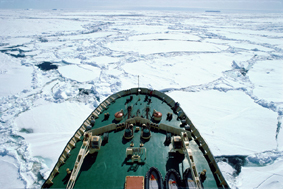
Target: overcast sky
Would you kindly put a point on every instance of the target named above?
(259, 5)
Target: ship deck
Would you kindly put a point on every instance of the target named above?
(109, 167)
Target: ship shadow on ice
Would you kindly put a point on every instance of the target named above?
(236, 161)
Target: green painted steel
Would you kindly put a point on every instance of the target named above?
(109, 167)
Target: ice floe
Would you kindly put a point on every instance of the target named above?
(152, 47)
(80, 73)
(238, 122)
(269, 176)
(51, 129)
(14, 77)
(265, 75)
(13, 179)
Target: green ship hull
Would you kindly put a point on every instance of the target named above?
(151, 131)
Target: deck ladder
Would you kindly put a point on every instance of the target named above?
(188, 154)
(79, 161)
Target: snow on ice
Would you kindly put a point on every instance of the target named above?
(224, 69)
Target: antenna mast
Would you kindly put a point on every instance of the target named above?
(138, 81)
(139, 87)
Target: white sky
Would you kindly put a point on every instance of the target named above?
(264, 5)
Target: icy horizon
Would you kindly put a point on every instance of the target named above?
(225, 69)
(252, 6)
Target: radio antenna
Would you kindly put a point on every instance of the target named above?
(139, 87)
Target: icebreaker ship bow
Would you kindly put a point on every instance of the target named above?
(135, 138)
